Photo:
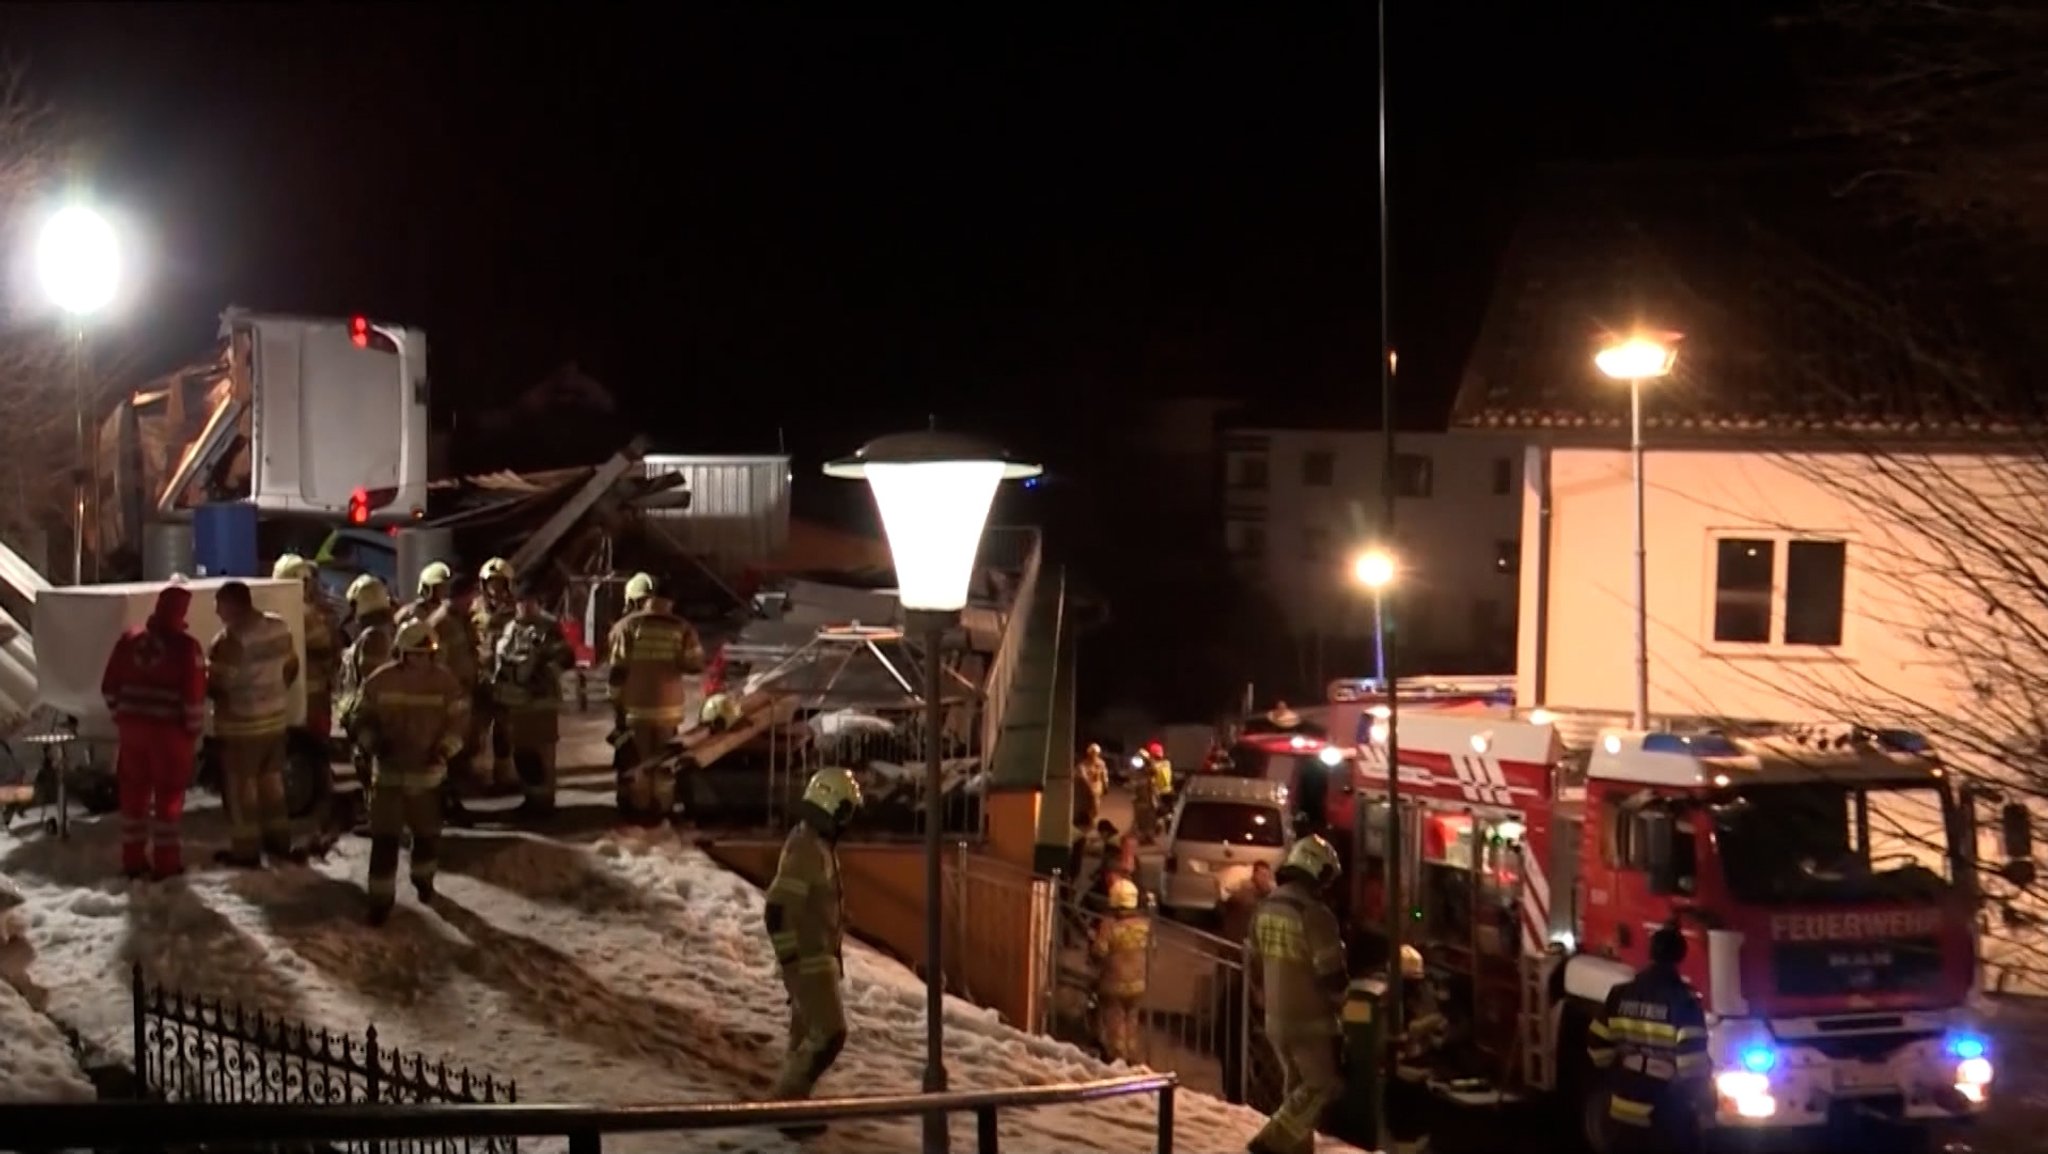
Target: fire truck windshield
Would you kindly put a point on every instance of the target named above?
(1810, 843)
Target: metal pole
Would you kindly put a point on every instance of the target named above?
(83, 458)
(1379, 641)
(1641, 718)
(935, 1127)
(1387, 639)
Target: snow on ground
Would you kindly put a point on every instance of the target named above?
(36, 1063)
(616, 967)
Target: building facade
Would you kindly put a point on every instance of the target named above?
(1299, 504)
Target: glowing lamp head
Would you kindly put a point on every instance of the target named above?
(1373, 569)
(78, 259)
(934, 491)
(359, 332)
(1639, 358)
(1330, 756)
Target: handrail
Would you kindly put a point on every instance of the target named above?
(118, 1124)
(1003, 668)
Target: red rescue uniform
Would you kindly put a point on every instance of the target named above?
(155, 687)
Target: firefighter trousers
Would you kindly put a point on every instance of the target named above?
(1308, 1064)
(403, 804)
(153, 768)
(817, 1025)
(1144, 814)
(320, 715)
(647, 786)
(252, 772)
(531, 738)
(495, 733)
(1116, 1028)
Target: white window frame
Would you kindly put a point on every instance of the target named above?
(1781, 554)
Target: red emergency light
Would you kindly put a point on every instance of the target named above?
(359, 333)
(359, 507)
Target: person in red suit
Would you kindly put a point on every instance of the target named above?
(155, 686)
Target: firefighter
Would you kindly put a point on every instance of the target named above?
(652, 651)
(251, 667)
(720, 712)
(323, 643)
(1651, 1040)
(806, 916)
(427, 592)
(639, 587)
(459, 652)
(413, 718)
(1093, 775)
(155, 688)
(528, 658)
(1119, 949)
(370, 608)
(1162, 773)
(1298, 974)
(496, 606)
(1145, 797)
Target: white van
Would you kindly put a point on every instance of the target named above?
(1222, 827)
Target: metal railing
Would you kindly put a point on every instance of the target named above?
(1002, 671)
(890, 763)
(158, 1125)
(195, 1049)
(1196, 1017)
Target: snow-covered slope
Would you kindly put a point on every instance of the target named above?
(624, 968)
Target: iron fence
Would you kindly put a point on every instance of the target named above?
(196, 1049)
(886, 750)
(156, 1125)
(1196, 1017)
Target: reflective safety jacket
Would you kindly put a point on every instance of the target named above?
(1119, 949)
(489, 618)
(250, 673)
(1297, 959)
(1162, 775)
(323, 647)
(412, 717)
(459, 652)
(650, 654)
(1651, 1034)
(528, 657)
(806, 910)
(156, 677)
(419, 608)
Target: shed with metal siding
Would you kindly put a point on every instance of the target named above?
(738, 512)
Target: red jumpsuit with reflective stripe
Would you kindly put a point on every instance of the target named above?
(155, 686)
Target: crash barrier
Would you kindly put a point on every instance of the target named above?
(207, 1050)
(1196, 1017)
(156, 1125)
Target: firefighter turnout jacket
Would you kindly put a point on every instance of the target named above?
(156, 677)
(1651, 1035)
(368, 653)
(806, 908)
(413, 717)
(528, 657)
(1118, 949)
(651, 652)
(323, 649)
(250, 672)
(459, 650)
(1298, 962)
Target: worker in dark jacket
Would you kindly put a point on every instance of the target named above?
(1651, 1040)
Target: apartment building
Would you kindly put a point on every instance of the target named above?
(1298, 504)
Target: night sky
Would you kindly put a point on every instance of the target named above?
(744, 221)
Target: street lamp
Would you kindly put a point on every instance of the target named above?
(1376, 569)
(1635, 359)
(933, 490)
(78, 259)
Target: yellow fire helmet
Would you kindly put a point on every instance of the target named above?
(640, 587)
(495, 568)
(1314, 857)
(292, 567)
(366, 594)
(434, 576)
(834, 790)
(1123, 894)
(415, 637)
(1411, 963)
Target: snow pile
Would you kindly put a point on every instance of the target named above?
(630, 969)
(36, 1062)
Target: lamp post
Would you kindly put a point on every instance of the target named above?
(1376, 569)
(1637, 359)
(78, 260)
(934, 491)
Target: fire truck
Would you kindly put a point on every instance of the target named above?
(1824, 880)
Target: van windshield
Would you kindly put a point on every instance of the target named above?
(1230, 822)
